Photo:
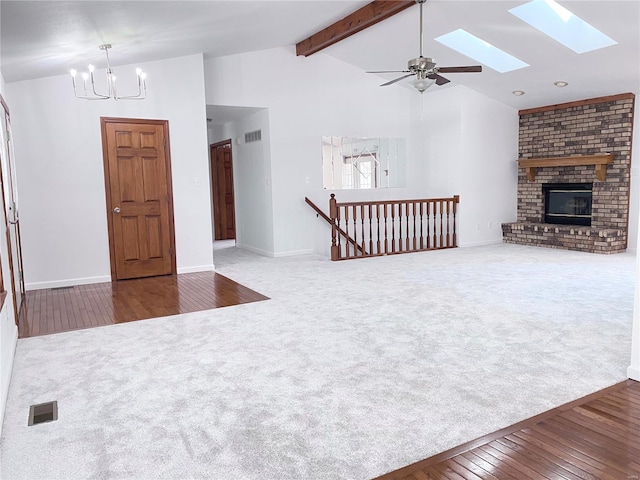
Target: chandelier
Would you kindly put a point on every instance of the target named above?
(89, 92)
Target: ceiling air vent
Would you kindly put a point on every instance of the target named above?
(255, 136)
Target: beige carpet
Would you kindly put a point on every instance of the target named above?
(351, 370)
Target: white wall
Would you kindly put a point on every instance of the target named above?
(252, 182)
(468, 155)
(8, 329)
(62, 194)
(308, 98)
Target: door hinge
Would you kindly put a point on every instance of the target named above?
(171, 252)
(164, 141)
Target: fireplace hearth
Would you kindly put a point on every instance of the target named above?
(568, 203)
(563, 152)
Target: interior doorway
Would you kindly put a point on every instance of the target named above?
(9, 192)
(224, 210)
(137, 169)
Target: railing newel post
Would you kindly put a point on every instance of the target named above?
(333, 214)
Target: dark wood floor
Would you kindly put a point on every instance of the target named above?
(596, 437)
(85, 306)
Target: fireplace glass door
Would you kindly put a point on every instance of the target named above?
(568, 203)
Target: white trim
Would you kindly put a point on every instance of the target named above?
(7, 380)
(633, 373)
(478, 244)
(70, 282)
(198, 268)
(264, 253)
(293, 253)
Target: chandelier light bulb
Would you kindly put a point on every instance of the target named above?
(92, 93)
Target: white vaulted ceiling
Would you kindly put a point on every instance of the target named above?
(43, 38)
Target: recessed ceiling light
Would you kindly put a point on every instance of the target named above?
(561, 83)
(562, 25)
(462, 41)
(518, 93)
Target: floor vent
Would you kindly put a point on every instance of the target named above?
(43, 412)
(62, 288)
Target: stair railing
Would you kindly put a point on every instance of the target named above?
(390, 227)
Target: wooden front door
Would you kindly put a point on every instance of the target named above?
(224, 212)
(139, 200)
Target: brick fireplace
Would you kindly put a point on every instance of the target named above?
(586, 142)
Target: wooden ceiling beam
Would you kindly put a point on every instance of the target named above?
(366, 16)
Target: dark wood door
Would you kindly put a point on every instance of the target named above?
(224, 212)
(139, 202)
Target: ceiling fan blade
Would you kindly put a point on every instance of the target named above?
(440, 80)
(471, 69)
(396, 80)
(390, 71)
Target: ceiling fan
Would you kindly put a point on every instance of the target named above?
(424, 68)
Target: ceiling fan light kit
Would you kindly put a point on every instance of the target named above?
(112, 92)
(424, 68)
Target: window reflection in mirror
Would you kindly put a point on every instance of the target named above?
(363, 162)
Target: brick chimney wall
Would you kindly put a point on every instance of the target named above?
(589, 127)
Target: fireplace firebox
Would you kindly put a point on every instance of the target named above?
(567, 203)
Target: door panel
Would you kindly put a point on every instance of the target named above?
(9, 188)
(223, 196)
(137, 173)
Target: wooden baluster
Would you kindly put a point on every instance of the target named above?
(421, 220)
(415, 214)
(346, 229)
(333, 215)
(456, 200)
(378, 223)
(354, 210)
(400, 237)
(448, 215)
(364, 245)
(370, 231)
(408, 232)
(386, 242)
(434, 238)
(393, 227)
(441, 229)
(428, 224)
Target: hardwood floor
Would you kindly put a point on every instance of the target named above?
(85, 306)
(596, 437)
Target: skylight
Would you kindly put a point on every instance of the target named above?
(556, 21)
(462, 41)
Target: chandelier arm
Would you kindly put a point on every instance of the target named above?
(111, 83)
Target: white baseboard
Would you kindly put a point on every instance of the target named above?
(199, 268)
(633, 373)
(7, 381)
(478, 244)
(293, 253)
(67, 283)
(258, 251)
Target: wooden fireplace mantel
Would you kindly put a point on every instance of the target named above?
(600, 160)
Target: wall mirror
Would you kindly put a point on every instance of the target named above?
(363, 162)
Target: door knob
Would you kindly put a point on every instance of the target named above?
(116, 210)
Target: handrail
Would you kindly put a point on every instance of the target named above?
(386, 227)
(328, 220)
